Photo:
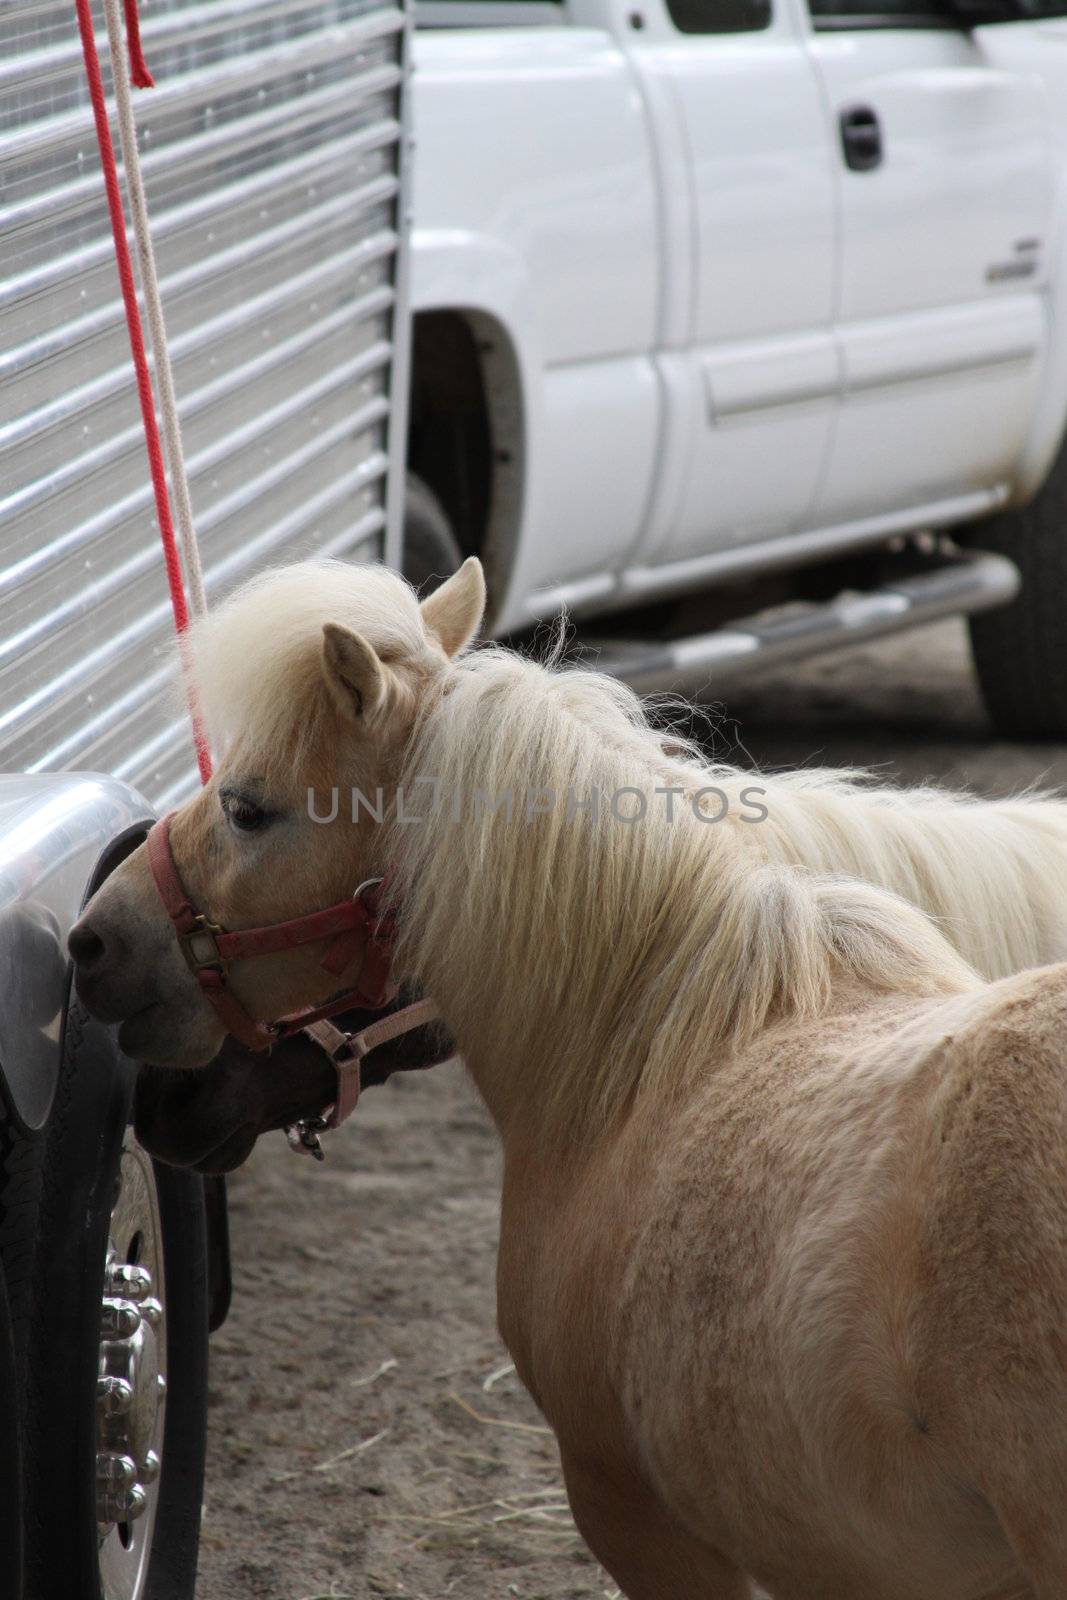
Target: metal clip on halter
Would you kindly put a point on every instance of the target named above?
(303, 1137)
(346, 1051)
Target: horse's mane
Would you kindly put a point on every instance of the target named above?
(662, 939)
(991, 873)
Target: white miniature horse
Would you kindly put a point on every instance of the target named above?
(783, 1252)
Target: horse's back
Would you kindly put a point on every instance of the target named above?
(991, 1162)
(850, 1237)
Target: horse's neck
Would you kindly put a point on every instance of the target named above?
(552, 984)
(538, 1034)
(579, 960)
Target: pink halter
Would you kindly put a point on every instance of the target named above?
(209, 949)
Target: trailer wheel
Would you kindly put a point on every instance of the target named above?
(1020, 650)
(115, 1407)
(10, 1459)
(431, 553)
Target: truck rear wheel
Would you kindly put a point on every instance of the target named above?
(1020, 650)
(431, 552)
(10, 1459)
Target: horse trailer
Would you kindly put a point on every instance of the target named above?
(274, 151)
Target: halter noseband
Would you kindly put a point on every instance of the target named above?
(209, 949)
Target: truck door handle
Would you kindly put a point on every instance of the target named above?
(861, 138)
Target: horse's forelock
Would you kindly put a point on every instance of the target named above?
(258, 656)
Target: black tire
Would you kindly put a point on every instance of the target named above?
(20, 1180)
(79, 1173)
(10, 1460)
(20, 1189)
(1020, 650)
(431, 552)
(172, 1571)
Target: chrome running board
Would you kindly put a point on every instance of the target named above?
(969, 581)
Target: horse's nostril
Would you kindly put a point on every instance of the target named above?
(86, 947)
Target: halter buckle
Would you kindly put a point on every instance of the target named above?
(201, 946)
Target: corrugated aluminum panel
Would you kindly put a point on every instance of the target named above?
(272, 150)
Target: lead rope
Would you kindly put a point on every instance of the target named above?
(146, 262)
(175, 459)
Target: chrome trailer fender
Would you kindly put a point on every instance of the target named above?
(59, 837)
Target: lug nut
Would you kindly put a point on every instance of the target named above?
(119, 1319)
(114, 1472)
(119, 1497)
(161, 1385)
(150, 1468)
(123, 1505)
(152, 1312)
(131, 1283)
(136, 1500)
(113, 1396)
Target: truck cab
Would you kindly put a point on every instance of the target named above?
(710, 289)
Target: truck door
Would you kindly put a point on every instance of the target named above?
(943, 171)
(747, 351)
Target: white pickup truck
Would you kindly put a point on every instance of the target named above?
(711, 295)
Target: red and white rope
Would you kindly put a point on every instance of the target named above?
(157, 329)
(138, 351)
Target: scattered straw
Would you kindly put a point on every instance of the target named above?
(372, 1377)
(539, 1514)
(326, 1466)
(353, 1450)
(496, 1422)
(495, 1377)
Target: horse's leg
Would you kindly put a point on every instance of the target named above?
(633, 1536)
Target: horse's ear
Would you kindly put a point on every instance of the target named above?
(454, 611)
(354, 675)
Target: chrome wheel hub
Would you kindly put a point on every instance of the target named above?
(131, 1385)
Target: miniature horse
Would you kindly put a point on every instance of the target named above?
(783, 1229)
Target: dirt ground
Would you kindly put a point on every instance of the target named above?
(367, 1437)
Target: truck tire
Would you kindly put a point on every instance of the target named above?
(105, 1209)
(431, 553)
(20, 1184)
(1020, 650)
(10, 1460)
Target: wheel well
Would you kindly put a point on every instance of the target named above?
(465, 430)
(115, 855)
(449, 441)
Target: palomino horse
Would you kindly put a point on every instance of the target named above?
(783, 1252)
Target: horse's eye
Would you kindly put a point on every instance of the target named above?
(245, 816)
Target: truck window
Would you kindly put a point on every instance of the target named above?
(720, 16)
(830, 14)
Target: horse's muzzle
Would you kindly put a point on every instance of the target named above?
(211, 1118)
